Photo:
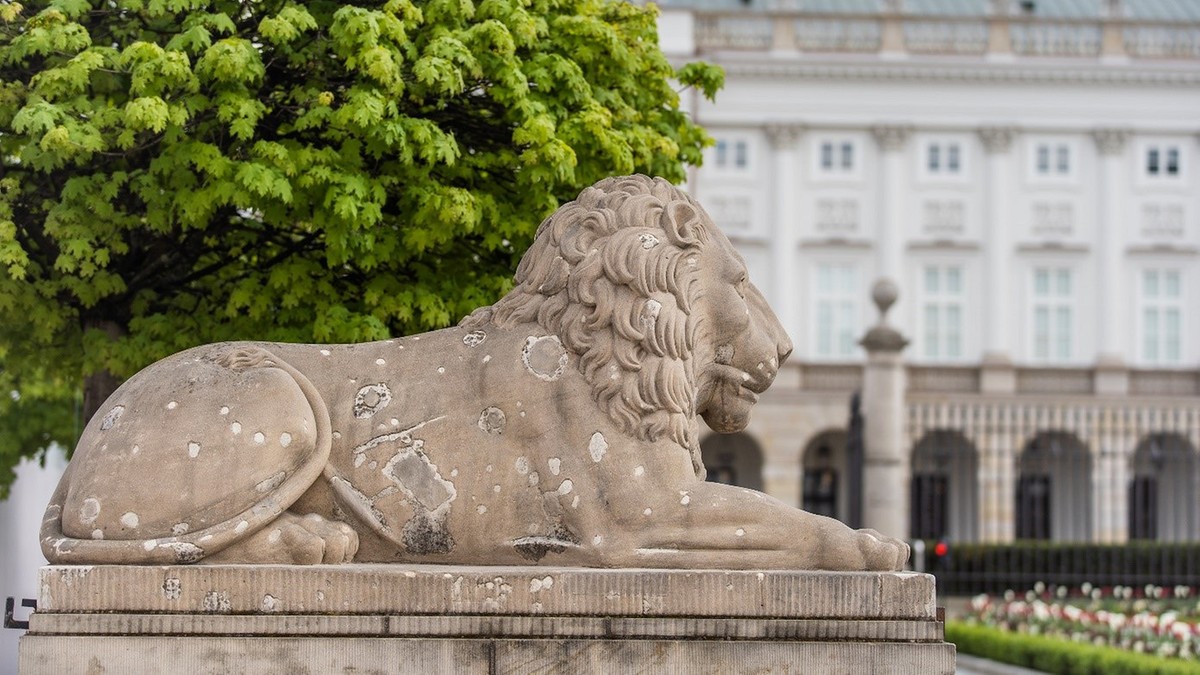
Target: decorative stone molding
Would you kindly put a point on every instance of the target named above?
(882, 337)
(996, 139)
(944, 218)
(783, 136)
(1163, 222)
(1089, 75)
(1053, 220)
(837, 216)
(891, 138)
(1110, 141)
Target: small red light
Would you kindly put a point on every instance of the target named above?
(941, 549)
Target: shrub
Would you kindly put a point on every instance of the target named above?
(1053, 655)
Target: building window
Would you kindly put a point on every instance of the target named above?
(836, 305)
(942, 312)
(1052, 314)
(1052, 160)
(732, 154)
(943, 158)
(1162, 161)
(1161, 317)
(837, 157)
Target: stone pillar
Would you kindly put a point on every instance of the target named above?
(886, 465)
(1112, 40)
(891, 40)
(999, 34)
(1110, 491)
(992, 494)
(785, 147)
(892, 140)
(997, 375)
(785, 143)
(1112, 374)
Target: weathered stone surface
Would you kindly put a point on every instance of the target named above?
(251, 655)
(559, 426)
(420, 590)
(426, 619)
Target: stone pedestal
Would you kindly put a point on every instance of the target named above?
(440, 619)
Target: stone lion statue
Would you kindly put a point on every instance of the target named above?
(559, 426)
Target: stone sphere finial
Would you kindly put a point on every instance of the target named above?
(884, 292)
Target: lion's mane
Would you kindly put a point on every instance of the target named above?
(613, 274)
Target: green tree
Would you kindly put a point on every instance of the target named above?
(175, 172)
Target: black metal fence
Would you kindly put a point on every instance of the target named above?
(968, 569)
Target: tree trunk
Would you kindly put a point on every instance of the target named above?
(97, 387)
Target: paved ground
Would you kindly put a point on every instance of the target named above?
(970, 665)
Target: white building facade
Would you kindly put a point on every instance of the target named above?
(1028, 173)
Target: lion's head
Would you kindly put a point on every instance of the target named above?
(634, 278)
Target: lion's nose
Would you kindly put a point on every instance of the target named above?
(784, 348)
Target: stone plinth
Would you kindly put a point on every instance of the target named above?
(439, 619)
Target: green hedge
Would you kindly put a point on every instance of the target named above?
(1054, 655)
(995, 568)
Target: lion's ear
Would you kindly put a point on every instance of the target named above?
(683, 223)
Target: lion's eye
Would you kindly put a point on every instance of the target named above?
(741, 285)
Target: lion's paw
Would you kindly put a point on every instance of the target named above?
(294, 540)
(881, 552)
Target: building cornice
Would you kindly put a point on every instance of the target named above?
(914, 70)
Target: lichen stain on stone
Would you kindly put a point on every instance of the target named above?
(555, 465)
(184, 552)
(172, 588)
(270, 603)
(474, 338)
(111, 418)
(492, 420)
(534, 548)
(216, 601)
(370, 399)
(545, 357)
(522, 465)
(597, 446)
(89, 511)
(430, 496)
(193, 449)
(130, 520)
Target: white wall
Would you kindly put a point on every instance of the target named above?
(20, 552)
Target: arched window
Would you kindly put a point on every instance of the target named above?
(733, 459)
(944, 491)
(1054, 489)
(825, 487)
(1162, 502)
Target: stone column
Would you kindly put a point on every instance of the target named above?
(891, 40)
(992, 495)
(892, 140)
(785, 187)
(1110, 490)
(999, 34)
(886, 465)
(1112, 374)
(997, 375)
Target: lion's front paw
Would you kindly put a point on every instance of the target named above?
(881, 552)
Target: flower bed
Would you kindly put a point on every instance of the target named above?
(1149, 620)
